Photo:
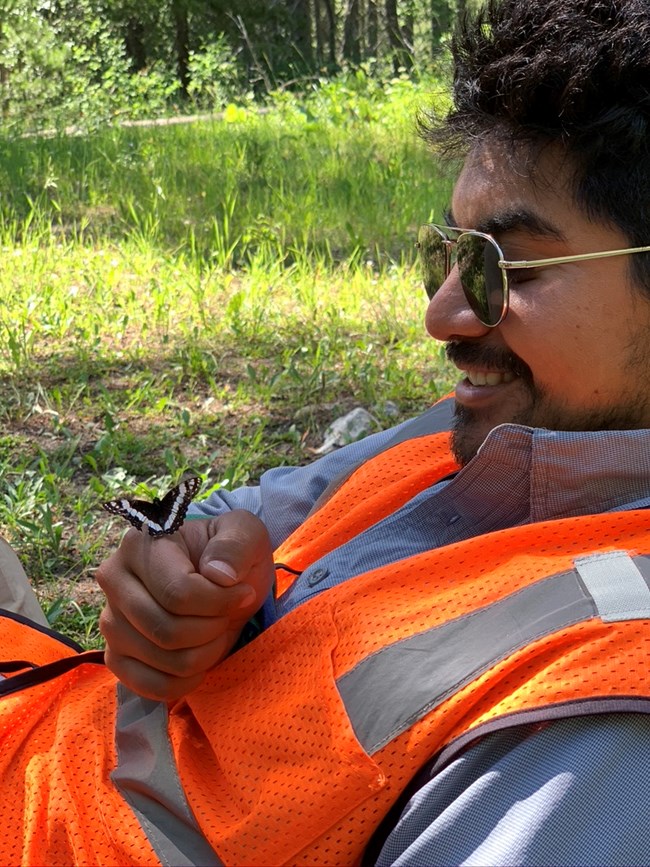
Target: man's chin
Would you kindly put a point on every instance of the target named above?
(467, 435)
(527, 406)
(471, 427)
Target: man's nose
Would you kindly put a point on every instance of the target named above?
(449, 315)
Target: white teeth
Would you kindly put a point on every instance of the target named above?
(479, 377)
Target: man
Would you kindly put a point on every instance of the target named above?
(473, 686)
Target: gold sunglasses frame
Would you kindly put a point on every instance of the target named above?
(513, 264)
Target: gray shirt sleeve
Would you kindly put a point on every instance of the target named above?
(285, 495)
(573, 792)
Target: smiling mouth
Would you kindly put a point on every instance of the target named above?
(489, 377)
(487, 366)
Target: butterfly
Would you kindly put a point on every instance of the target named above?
(162, 516)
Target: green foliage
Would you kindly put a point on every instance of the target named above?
(64, 63)
(222, 190)
(215, 77)
(85, 64)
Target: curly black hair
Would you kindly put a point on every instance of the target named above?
(568, 72)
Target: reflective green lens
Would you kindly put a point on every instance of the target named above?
(433, 257)
(478, 269)
(495, 285)
(481, 277)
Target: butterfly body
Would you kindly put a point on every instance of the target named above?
(160, 517)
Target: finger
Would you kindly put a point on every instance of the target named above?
(123, 640)
(183, 627)
(219, 571)
(157, 584)
(169, 634)
(238, 546)
(147, 681)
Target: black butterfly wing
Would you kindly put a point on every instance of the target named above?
(162, 517)
(136, 512)
(174, 505)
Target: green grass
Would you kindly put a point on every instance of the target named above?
(207, 297)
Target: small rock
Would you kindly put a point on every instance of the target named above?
(346, 429)
(389, 409)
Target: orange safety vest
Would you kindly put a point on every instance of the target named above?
(294, 748)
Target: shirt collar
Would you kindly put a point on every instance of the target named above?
(563, 473)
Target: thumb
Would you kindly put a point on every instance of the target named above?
(219, 571)
(238, 550)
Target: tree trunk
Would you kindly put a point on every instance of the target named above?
(4, 79)
(6, 8)
(181, 43)
(372, 28)
(351, 33)
(440, 24)
(402, 57)
(300, 18)
(319, 33)
(134, 42)
(407, 36)
(331, 34)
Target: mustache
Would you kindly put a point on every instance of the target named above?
(465, 354)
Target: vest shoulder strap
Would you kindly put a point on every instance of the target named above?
(31, 654)
(435, 420)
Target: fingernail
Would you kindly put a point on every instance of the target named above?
(225, 569)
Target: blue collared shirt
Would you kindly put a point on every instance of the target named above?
(520, 475)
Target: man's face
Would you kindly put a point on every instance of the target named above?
(573, 351)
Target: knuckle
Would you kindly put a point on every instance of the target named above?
(103, 574)
(184, 663)
(183, 666)
(167, 634)
(175, 596)
(107, 623)
(104, 621)
(145, 681)
(119, 665)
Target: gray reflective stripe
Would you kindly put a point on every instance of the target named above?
(390, 690)
(616, 585)
(147, 778)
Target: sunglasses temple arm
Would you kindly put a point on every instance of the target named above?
(579, 257)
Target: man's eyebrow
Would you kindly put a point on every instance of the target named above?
(511, 220)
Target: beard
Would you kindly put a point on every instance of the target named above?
(535, 407)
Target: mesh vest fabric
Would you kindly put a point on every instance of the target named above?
(375, 490)
(267, 755)
(56, 753)
(287, 774)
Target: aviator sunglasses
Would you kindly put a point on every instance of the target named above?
(482, 268)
